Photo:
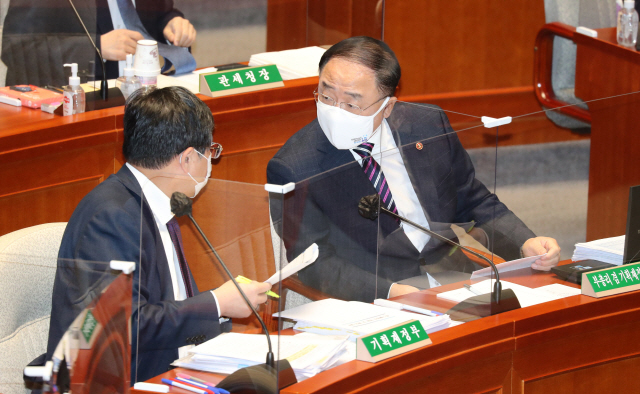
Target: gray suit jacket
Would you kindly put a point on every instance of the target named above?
(359, 258)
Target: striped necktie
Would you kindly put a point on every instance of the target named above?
(374, 173)
(176, 238)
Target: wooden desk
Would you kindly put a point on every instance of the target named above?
(574, 345)
(48, 163)
(605, 69)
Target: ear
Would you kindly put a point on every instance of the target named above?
(389, 108)
(186, 159)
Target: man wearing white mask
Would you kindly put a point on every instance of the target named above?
(363, 142)
(168, 148)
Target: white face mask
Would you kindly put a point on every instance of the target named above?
(200, 185)
(343, 129)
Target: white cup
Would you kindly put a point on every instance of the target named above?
(147, 60)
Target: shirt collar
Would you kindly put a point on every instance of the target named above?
(159, 202)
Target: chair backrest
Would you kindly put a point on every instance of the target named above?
(593, 14)
(28, 258)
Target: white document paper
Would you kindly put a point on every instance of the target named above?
(353, 318)
(506, 266)
(307, 353)
(304, 259)
(526, 295)
(607, 250)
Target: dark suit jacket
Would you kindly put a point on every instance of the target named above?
(113, 222)
(359, 258)
(39, 36)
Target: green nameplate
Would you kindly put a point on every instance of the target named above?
(240, 80)
(392, 342)
(610, 281)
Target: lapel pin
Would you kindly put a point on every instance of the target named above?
(419, 145)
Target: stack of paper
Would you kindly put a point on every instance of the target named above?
(308, 354)
(607, 250)
(526, 295)
(292, 64)
(337, 317)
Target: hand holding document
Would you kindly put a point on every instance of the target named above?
(506, 267)
(304, 259)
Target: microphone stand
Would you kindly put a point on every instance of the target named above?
(258, 378)
(498, 304)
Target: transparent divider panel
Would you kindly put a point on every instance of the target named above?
(180, 323)
(76, 314)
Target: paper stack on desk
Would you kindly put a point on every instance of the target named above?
(307, 353)
(293, 63)
(607, 250)
(337, 317)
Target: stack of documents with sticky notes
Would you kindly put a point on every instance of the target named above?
(353, 318)
(607, 250)
(293, 63)
(308, 354)
(526, 295)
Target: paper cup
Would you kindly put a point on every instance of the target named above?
(147, 60)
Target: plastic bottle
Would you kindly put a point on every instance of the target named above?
(129, 82)
(627, 25)
(73, 100)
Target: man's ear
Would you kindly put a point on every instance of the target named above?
(389, 107)
(186, 159)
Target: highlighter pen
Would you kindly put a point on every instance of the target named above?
(202, 385)
(173, 383)
(242, 279)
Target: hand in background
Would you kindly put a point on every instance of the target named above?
(116, 44)
(180, 32)
(541, 245)
(231, 302)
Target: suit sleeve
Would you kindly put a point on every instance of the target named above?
(505, 230)
(330, 273)
(163, 324)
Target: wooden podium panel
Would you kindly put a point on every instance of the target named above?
(604, 70)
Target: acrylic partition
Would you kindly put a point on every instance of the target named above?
(197, 328)
(70, 319)
(38, 40)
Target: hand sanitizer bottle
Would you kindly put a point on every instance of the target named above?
(73, 99)
(129, 82)
(627, 25)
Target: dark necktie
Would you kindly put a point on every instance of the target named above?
(374, 173)
(181, 58)
(176, 238)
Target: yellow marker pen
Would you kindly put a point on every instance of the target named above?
(242, 279)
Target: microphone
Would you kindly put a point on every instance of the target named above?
(369, 206)
(117, 98)
(253, 378)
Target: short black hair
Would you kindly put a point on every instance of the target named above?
(161, 123)
(371, 53)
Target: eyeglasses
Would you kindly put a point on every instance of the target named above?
(352, 108)
(216, 150)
